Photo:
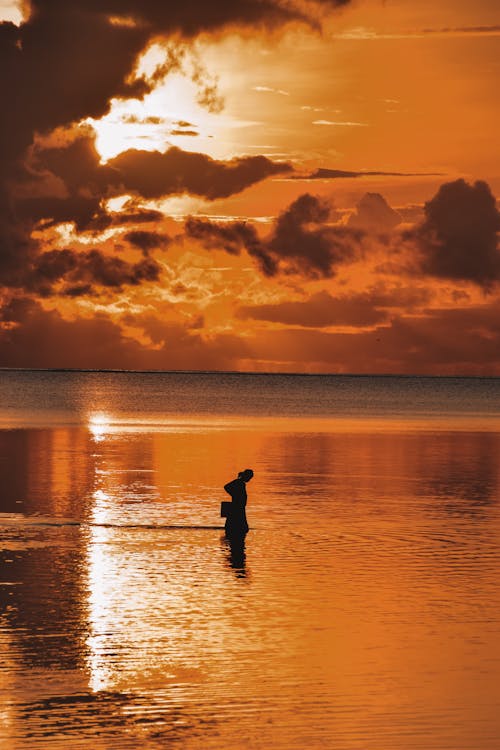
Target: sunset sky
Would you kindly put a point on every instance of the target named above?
(261, 185)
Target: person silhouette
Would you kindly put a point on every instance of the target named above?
(236, 521)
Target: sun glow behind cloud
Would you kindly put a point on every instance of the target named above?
(185, 108)
(13, 11)
(169, 116)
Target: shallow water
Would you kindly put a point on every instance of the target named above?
(363, 611)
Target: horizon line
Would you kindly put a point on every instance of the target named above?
(129, 371)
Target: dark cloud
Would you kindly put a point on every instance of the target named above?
(103, 220)
(405, 298)
(464, 30)
(75, 170)
(52, 210)
(146, 241)
(447, 341)
(135, 120)
(69, 60)
(319, 311)
(136, 216)
(78, 290)
(231, 237)
(65, 184)
(193, 16)
(459, 236)
(110, 271)
(62, 65)
(356, 310)
(324, 173)
(67, 272)
(68, 183)
(302, 241)
(35, 337)
(191, 133)
(373, 214)
(153, 174)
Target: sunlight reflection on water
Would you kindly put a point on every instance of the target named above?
(361, 612)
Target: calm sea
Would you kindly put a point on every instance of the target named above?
(362, 612)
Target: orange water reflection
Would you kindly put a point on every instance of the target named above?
(362, 612)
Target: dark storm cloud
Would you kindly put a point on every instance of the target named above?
(302, 241)
(459, 237)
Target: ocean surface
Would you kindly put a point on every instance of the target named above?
(362, 611)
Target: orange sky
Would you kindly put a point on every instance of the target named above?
(259, 186)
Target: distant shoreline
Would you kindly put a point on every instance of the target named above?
(118, 371)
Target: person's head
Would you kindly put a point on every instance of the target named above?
(246, 475)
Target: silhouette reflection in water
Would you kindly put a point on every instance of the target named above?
(235, 554)
(236, 520)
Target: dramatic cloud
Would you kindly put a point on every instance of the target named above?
(76, 59)
(68, 183)
(153, 174)
(232, 238)
(80, 272)
(48, 71)
(34, 337)
(103, 220)
(302, 241)
(67, 61)
(459, 236)
(78, 183)
(71, 57)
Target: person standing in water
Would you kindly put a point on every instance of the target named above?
(236, 521)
